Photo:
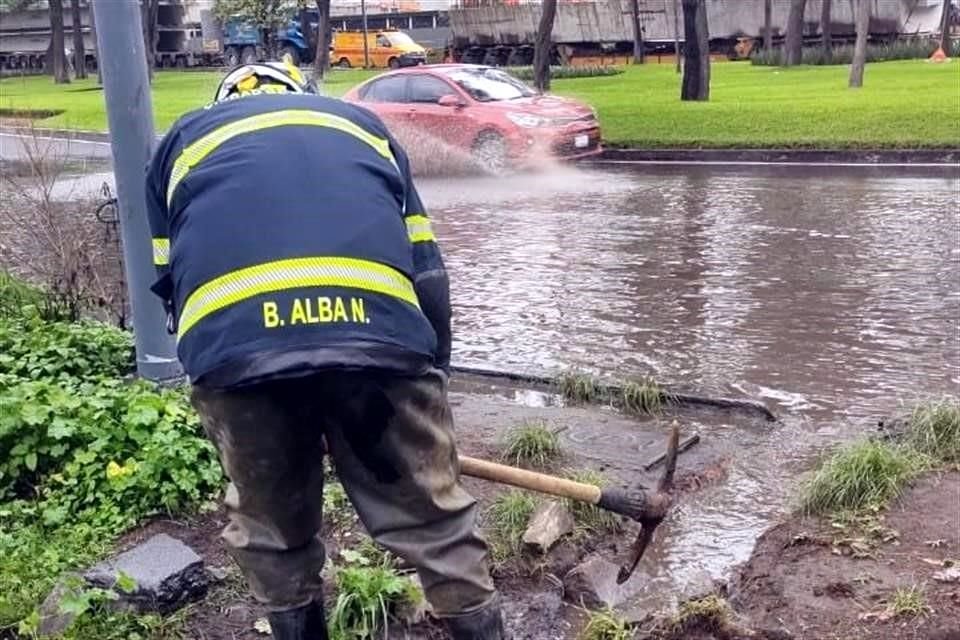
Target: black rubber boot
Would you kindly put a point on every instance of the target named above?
(482, 624)
(303, 623)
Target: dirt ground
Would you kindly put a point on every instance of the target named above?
(804, 577)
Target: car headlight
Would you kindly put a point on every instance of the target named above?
(527, 120)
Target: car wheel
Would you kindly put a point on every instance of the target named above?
(490, 151)
(233, 57)
(343, 63)
(393, 63)
(249, 55)
(293, 53)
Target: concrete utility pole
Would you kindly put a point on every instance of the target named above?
(130, 116)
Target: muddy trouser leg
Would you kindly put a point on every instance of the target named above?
(272, 452)
(392, 442)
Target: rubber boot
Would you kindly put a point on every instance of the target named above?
(302, 623)
(482, 624)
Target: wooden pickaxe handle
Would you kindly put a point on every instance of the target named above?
(530, 480)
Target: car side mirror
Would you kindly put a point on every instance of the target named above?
(450, 100)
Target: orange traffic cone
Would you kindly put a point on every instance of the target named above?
(938, 56)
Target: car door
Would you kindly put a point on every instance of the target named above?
(446, 122)
(387, 97)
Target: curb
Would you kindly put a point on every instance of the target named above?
(786, 156)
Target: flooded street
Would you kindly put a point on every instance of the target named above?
(831, 292)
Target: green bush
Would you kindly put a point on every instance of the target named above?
(31, 348)
(564, 72)
(843, 54)
(367, 595)
(121, 450)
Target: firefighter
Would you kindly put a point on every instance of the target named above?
(311, 308)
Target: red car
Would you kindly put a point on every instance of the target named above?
(500, 120)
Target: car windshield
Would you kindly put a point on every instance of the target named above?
(399, 39)
(490, 85)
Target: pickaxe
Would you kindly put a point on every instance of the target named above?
(649, 509)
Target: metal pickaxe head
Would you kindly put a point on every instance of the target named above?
(649, 509)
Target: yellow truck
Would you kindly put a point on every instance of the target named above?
(385, 48)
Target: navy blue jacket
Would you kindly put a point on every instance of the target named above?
(288, 237)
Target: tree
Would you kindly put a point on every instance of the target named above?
(79, 54)
(321, 61)
(826, 16)
(268, 15)
(767, 24)
(860, 48)
(637, 32)
(696, 51)
(543, 46)
(149, 10)
(945, 28)
(793, 45)
(57, 56)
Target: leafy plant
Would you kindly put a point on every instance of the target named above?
(566, 72)
(337, 509)
(366, 597)
(507, 519)
(532, 443)
(122, 450)
(31, 348)
(861, 474)
(589, 518)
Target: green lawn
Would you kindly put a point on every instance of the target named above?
(903, 104)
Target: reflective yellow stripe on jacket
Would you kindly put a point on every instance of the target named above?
(193, 154)
(419, 229)
(269, 277)
(161, 251)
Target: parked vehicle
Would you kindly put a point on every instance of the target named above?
(385, 48)
(502, 121)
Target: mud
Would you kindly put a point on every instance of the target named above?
(802, 581)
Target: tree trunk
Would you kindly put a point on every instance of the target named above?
(637, 32)
(696, 51)
(767, 24)
(321, 61)
(860, 49)
(96, 45)
(148, 12)
(794, 40)
(676, 33)
(79, 54)
(945, 28)
(58, 57)
(309, 37)
(542, 46)
(826, 17)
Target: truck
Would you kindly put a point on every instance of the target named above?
(244, 43)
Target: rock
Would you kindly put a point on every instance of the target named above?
(593, 584)
(53, 622)
(167, 574)
(700, 585)
(220, 574)
(550, 522)
(948, 575)
(412, 613)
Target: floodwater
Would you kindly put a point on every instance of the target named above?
(831, 294)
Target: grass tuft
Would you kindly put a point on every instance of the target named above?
(366, 596)
(532, 443)
(507, 519)
(860, 474)
(579, 387)
(712, 613)
(642, 397)
(908, 602)
(935, 429)
(589, 518)
(606, 625)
